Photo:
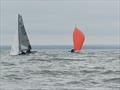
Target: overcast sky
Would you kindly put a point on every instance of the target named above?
(51, 22)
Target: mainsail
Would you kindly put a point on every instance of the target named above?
(21, 39)
(78, 39)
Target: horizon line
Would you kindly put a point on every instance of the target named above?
(72, 45)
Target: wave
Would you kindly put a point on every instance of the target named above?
(37, 60)
(7, 64)
(113, 80)
(74, 82)
(110, 72)
(89, 71)
(13, 77)
(55, 72)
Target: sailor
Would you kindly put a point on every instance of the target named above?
(29, 48)
(72, 50)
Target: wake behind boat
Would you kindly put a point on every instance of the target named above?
(21, 44)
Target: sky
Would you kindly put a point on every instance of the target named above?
(51, 22)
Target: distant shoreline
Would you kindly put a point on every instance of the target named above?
(67, 47)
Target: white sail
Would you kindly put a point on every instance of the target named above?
(21, 42)
(15, 50)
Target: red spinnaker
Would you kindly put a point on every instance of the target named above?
(78, 39)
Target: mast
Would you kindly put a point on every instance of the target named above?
(18, 32)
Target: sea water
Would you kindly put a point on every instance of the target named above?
(59, 69)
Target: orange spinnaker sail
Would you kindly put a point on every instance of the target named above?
(78, 39)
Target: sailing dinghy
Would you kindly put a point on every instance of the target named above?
(21, 44)
(78, 40)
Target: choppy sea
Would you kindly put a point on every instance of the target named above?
(58, 69)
